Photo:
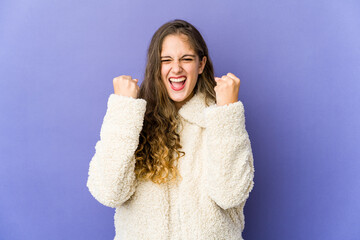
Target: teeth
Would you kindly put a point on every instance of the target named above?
(177, 79)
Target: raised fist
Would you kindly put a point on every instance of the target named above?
(227, 89)
(126, 86)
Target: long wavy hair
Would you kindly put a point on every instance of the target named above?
(159, 146)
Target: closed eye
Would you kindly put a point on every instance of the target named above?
(185, 59)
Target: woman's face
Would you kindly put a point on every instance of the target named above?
(180, 67)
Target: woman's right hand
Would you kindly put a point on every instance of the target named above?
(126, 86)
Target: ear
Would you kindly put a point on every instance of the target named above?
(202, 65)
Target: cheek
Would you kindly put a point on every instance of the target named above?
(163, 74)
(194, 70)
(164, 71)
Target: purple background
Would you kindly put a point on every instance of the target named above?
(299, 65)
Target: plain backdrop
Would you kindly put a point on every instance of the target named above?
(299, 65)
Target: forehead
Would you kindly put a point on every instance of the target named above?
(176, 44)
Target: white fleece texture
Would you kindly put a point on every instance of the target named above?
(111, 173)
(230, 170)
(217, 172)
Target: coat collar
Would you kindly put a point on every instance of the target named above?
(193, 109)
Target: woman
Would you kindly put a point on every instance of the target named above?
(174, 157)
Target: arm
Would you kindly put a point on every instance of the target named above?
(111, 177)
(229, 170)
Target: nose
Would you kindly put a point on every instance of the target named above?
(176, 67)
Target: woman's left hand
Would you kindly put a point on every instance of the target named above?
(227, 89)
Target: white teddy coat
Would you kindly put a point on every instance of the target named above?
(217, 172)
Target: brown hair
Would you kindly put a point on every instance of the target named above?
(159, 142)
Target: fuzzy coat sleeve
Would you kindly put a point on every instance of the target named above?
(111, 177)
(229, 169)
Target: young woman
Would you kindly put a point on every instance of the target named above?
(174, 157)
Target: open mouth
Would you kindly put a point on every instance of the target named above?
(177, 83)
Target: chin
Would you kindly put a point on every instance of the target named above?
(179, 97)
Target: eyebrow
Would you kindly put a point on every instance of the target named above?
(186, 55)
